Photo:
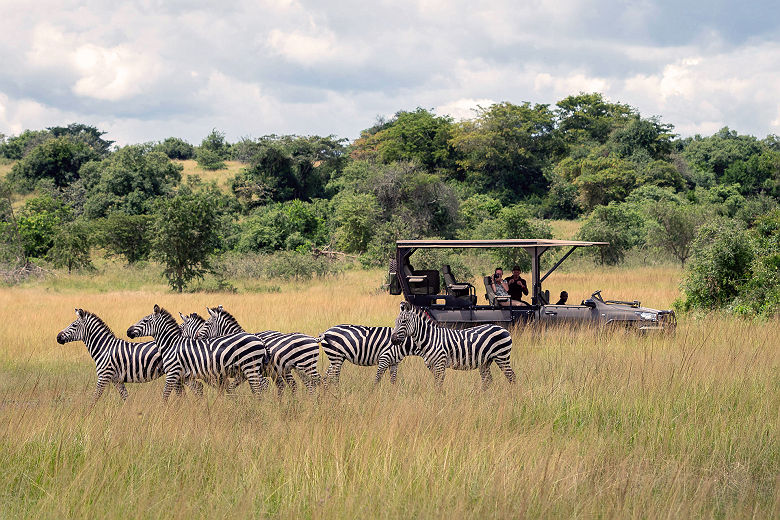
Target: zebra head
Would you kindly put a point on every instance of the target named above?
(404, 325)
(220, 323)
(152, 325)
(191, 324)
(76, 331)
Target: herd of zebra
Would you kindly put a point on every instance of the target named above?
(218, 352)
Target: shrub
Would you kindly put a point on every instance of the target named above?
(72, 245)
(176, 148)
(723, 252)
(619, 224)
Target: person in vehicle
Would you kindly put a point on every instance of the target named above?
(501, 288)
(516, 286)
(564, 298)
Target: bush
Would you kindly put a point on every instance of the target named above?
(72, 245)
(723, 253)
(127, 235)
(512, 222)
(38, 222)
(175, 148)
(619, 224)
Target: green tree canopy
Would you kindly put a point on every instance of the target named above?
(185, 235)
(59, 159)
(506, 148)
(128, 180)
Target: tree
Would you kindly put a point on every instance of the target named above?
(354, 217)
(86, 134)
(127, 235)
(512, 222)
(601, 180)
(506, 148)
(645, 136)
(175, 148)
(17, 147)
(213, 150)
(590, 117)
(620, 225)
(673, 227)
(723, 252)
(38, 222)
(58, 159)
(128, 180)
(185, 234)
(418, 136)
(72, 245)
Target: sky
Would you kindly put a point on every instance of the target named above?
(146, 70)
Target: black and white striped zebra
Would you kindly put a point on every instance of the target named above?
(357, 344)
(116, 361)
(207, 359)
(442, 348)
(191, 324)
(287, 352)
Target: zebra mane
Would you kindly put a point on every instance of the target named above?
(422, 313)
(168, 316)
(97, 320)
(229, 317)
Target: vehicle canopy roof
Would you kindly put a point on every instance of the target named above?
(525, 243)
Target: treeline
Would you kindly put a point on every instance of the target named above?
(501, 174)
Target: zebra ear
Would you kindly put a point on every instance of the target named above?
(80, 313)
(156, 309)
(220, 308)
(183, 318)
(212, 312)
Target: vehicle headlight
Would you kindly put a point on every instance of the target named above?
(647, 316)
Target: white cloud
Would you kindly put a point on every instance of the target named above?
(112, 73)
(464, 108)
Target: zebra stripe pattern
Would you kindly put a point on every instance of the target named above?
(116, 361)
(442, 348)
(287, 352)
(207, 359)
(360, 345)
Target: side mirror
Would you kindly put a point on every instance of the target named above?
(589, 303)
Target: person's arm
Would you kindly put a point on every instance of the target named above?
(523, 286)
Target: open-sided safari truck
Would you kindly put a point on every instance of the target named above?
(458, 306)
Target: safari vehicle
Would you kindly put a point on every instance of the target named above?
(459, 305)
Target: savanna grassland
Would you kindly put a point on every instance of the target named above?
(607, 425)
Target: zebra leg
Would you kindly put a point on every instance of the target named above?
(393, 373)
(280, 379)
(310, 378)
(487, 377)
(333, 371)
(506, 367)
(120, 387)
(257, 382)
(438, 373)
(102, 382)
(171, 383)
(384, 363)
(196, 386)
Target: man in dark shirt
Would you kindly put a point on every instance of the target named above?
(517, 286)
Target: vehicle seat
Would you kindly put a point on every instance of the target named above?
(459, 290)
(422, 282)
(490, 295)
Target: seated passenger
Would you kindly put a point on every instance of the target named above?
(501, 288)
(564, 298)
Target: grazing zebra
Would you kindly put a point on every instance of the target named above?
(441, 347)
(207, 359)
(286, 351)
(357, 344)
(117, 361)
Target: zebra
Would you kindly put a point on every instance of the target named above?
(191, 324)
(286, 351)
(116, 361)
(442, 348)
(206, 359)
(357, 344)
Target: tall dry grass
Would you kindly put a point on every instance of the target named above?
(598, 425)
